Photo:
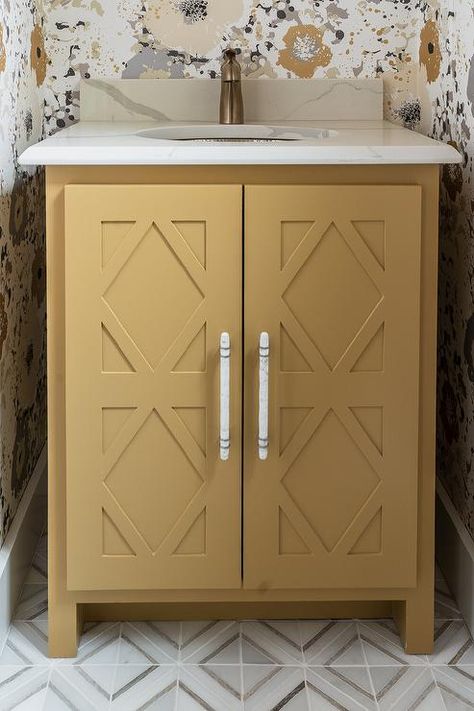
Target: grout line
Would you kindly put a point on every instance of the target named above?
(180, 642)
(241, 655)
(116, 670)
(305, 676)
(438, 689)
(367, 668)
(50, 671)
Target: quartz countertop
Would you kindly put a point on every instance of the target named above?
(345, 142)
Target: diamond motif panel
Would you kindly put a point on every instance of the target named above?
(148, 506)
(160, 470)
(324, 265)
(140, 300)
(330, 463)
(342, 294)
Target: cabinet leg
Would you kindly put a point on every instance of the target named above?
(65, 626)
(415, 621)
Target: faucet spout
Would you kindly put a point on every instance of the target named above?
(231, 103)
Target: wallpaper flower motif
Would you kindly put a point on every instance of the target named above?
(38, 54)
(430, 52)
(304, 51)
(22, 302)
(194, 26)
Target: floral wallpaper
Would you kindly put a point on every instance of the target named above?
(22, 284)
(424, 51)
(447, 50)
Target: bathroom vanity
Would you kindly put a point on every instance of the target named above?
(241, 359)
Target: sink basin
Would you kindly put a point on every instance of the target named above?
(246, 133)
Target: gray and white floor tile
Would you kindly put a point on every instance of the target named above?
(149, 643)
(314, 665)
(99, 644)
(210, 643)
(331, 688)
(210, 688)
(271, 642)
(26, 644)
(153, 688)
(271, 688)
(329, 643)
(23, 687)
(382, 645)
(400, 688)
(453, 644)
(456, 685)
(33, 603)
(38, 572)
(80, 688)
(446, 607)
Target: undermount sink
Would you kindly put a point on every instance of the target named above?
(244, 133)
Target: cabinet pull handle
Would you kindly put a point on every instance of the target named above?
(264, 358)
(224, 440)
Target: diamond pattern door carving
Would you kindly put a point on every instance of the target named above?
(153, 277)
(333, 274)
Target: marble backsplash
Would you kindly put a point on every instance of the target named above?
(275, 100)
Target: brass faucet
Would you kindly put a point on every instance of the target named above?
(231, 104)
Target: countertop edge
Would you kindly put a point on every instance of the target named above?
(366, 155)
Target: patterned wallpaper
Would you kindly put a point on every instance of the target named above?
(423, 49)
(22, 290)
(447, 41)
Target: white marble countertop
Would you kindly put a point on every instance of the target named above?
(346, 142)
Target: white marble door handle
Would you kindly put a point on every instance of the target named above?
(224, 440)
(264, 358)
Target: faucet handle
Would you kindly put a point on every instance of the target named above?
(230, 69)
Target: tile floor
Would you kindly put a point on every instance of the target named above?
(221, 666)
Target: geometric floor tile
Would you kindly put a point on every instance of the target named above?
(23, 687)
(329, 643)
(340, 687)
(144, 687)
(210, 643)
(85, 688)
(214, 687)
(27, 643)
(456, 685)
(38, 572)
(446, 607)
(99, 645)
(255, 665)
(382, 646)
(402, 688)
(272, 687)
(149, 643)
(33, 603)
(453, 644)
(271, 642)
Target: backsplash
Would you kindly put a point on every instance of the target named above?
(22, 277)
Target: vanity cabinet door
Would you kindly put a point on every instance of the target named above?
(332, 273)
(153, 277)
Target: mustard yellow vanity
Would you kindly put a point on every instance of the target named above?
(319, 500)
